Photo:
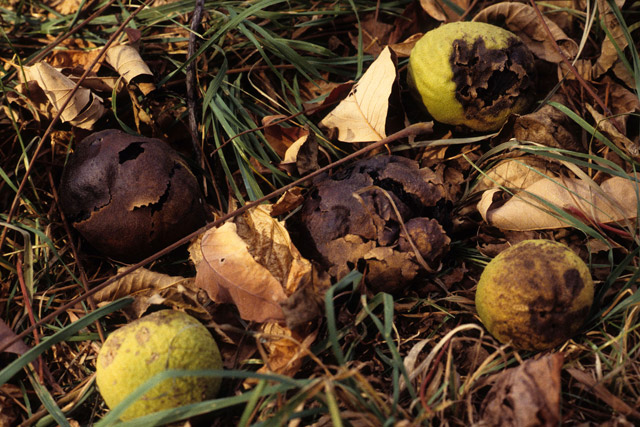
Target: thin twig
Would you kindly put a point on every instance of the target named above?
(196, 19)
(412, 130)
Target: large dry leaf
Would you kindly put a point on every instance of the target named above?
(522, 20)
(82, 111)
(441, 11)
(616, 199)
(608, 53)
(362, 115)
(525, 396)
(152, 288)
(251, 263)
(127, 62)
(514, 173)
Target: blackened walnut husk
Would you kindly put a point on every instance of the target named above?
(129, 196)
(492, 80)
(350, 222)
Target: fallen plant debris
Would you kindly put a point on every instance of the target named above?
(336, 236)
(382, 212)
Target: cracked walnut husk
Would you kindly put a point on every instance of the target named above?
(129, 196)
(351, 219)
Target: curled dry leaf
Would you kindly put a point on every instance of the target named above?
(528, 395)
(515, 173)
(616, 199)
(604, 124)
(608, 50)
(548, 126)
(82, 111)
(286, 349)
(251, 263)
(126, 60)
(522, 20)
(362, 115)
(442, 11)
(151, 288)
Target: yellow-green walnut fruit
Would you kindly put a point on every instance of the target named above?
(472, 74)
(535, 294)
(155, 343)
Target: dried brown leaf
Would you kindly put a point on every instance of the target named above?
(441, 11)
(528, 395)
(151, 288)
(82, 111)
(286, 349)
(362, 115)
(522, 20)
(126, 60)
(251, 263)
(616, 199)
(608, 53)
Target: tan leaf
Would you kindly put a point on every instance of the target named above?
(616, 199)
(608, 53)
(83, 110)
(149, 288)
(251, 263)
(522, 20)
(286, 349)
(442, 12)
(621, 141)
(302, 156)
(525, 396)
(548, 126)
(514, 173)
(362, 116)
(126, 60)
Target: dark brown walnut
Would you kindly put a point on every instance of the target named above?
(349, 221)
(130, 196)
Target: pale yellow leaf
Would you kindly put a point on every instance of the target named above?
(252, 264)
(126, 60)
(362, 115)
(616, 199)
(84, 108)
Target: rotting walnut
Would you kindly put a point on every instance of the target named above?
(130, 196)
(350, 220)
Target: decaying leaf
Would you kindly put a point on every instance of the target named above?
(252, 264)
(126, 60)
(522, 20)
(442, 11)
(548, 126)
(616, 199)
(151, 288)
(362, 116)
(286, 349)
(608, 52)
(525, 396)
(82, 111)
(515, 173)
(621, 141)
